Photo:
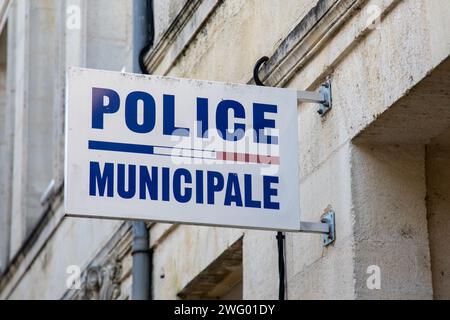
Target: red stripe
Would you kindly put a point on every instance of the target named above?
(246, 157)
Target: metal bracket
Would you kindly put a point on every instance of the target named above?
(322, 97)
(327, 102)
(326, 227)
(329, 219)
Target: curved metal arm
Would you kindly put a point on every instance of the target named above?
(258, 65)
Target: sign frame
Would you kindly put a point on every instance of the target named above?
(119, 79)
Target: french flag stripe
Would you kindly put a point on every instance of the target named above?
(247, 158)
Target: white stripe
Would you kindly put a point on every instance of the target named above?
(185, 153)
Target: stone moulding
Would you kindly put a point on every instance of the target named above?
(4, 9)
(103, 277)
(312, 34)
(307, 37)
(179, 34)
(102, 282)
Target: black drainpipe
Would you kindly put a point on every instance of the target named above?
(143, 33)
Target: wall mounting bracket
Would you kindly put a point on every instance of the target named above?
(322, 97)
(326, 227)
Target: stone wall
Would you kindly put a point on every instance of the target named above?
(44, 244)
(378, 158)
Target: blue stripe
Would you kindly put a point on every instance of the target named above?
(120, 147)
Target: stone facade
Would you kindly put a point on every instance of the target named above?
(379, 158)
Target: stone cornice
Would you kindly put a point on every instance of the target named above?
(179, 34)
(306, 39)
(301, 44)
(4, 8)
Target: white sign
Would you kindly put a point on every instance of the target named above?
(178, 150)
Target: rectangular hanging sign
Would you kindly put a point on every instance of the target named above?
(181, 151)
